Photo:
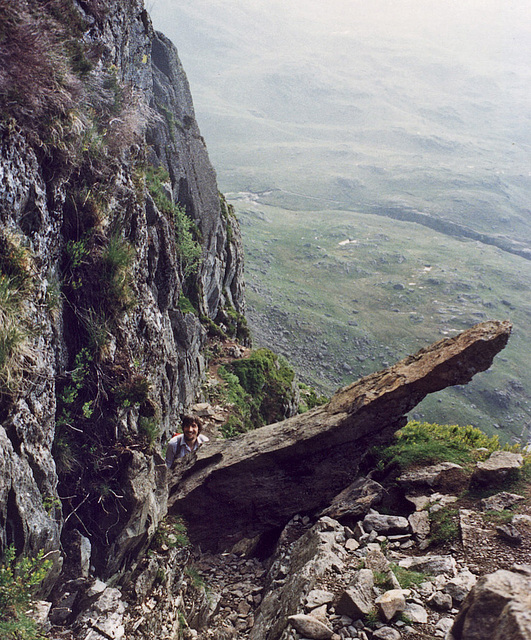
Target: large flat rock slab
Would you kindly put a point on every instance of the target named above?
(256, 482)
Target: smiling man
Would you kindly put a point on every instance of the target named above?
(184, 443)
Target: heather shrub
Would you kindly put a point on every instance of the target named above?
(260, 388)
(18, 581)
(36, 82)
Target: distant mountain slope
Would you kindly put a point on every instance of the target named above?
(344, 294)
(360, 116)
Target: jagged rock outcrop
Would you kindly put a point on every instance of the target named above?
(499, 606)
(258, 481)
(106, 358)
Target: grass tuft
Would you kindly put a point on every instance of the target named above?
(422, 443)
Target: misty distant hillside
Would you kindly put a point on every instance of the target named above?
(321, 106)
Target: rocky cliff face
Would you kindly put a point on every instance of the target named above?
(113, 244)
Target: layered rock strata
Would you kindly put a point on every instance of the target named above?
(75, 185)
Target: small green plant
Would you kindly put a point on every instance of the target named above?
(116, 262)
(53, 294)
(408, 578)
(213, 329)
(134, 391)
(16, 280)
(443, 525)
(13, 342)
(185, 305)
(196, 579)
(183, 624)
(402, 617)
(78, 377)
(234, 426)
(50, 504)
(19, 580)
(179, 536)
(383, 580)
(63, 453)
(371, 619)
(160, 577)
(148, 428)
(77, 252)
(259, 387)
(234, 322)
(498, 517)
(228, 214)
(172, 533)
(16, 261)
(186, 233)
(309, 398)
(97, 329)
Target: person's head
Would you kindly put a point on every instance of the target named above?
(192, 427)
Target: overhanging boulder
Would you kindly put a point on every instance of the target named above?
(256, 482)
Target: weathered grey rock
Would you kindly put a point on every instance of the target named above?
(473, 531)
(39, 188)
(439, 501)
(352, 544)
(497, 468)
(445, 477)
(509, 533)
(391, 602)
(416, 613)
(375, 560)
(501, 501)
(420, 524)
(522, 519)
(498, 603)
(318, 597)
(300, 464)
(358, 599)
(321, 613)
(310, 627)
(426, 588)
(374, 521)
(304, 563)
(38, 612)
(443, 626)
(515, 621)
(144, 484)
(386, 633)
(355, 501)
(440, 601)
(145, 580)
(208, 605)
(104, 617)
(420, 502)
(432, 565)
(459, 586)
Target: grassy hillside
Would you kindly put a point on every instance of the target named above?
(343, 294)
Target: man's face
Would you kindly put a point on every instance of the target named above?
(191, 431)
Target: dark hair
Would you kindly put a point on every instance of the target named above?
(189, 419)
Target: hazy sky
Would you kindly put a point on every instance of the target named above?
(485, 31)
(456, 73)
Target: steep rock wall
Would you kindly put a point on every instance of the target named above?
(105, 353)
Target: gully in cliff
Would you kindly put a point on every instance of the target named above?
(184, 443)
